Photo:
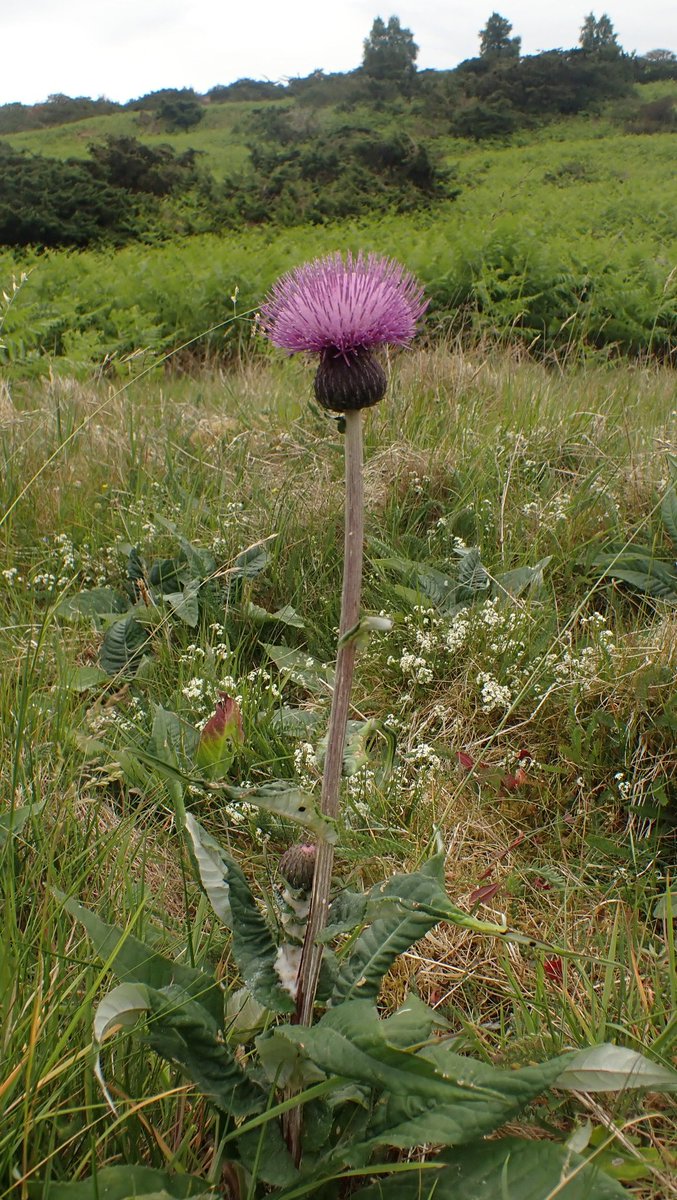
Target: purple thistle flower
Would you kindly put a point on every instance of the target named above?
(342, 308)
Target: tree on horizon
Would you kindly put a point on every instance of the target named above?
(598, 36)
(495, 40)
(390, 52)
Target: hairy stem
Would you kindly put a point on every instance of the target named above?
(333, 764)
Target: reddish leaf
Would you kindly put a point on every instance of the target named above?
(466, 760)
(554, 969)
(482, 895)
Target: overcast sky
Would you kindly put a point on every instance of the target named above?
(123, 48)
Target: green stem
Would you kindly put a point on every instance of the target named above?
(311, 959)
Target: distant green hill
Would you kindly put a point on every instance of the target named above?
(561, 237)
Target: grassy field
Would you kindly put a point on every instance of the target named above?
(562, 240)
(533, 733)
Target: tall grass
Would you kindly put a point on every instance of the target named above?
(528, 464)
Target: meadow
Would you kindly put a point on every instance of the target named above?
(532, 733)
(171, 524)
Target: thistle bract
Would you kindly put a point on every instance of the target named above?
(342, 308)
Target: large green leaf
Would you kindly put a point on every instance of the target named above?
(472, 575)
(363, 739)
(124, 644)
(183, 1032)
(125, 1183)
(284, 799)
(254, 950)
(265, 1155)
(609, 1068)
(283, 616)
(522, 579)
(423, 891)
(669, 514)
(185, 604)
(639, 567)
(296, 722)
(376, 949)
(13, 819)
(133, 961)
(247, 565)
(302, 668)
(433, 1095)
(168, 575)
(402, 910)
(509, 1169)
(423, 579)
(92, 602)
(492, 1097)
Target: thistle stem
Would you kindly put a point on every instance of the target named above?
(311, 958)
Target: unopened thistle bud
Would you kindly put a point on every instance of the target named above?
(219, 738)
(297, 867)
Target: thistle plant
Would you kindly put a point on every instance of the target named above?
(379, 1094)
(342, 309)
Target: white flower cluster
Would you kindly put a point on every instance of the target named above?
(64, 564)
(415, 667)
(551, 511)
(217, 652)
(305, 765)
(581, 666)
(494, 695)
(624, 785)
(202, 693)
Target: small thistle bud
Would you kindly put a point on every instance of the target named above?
(219, 738)
(297, 867)
(344, 382)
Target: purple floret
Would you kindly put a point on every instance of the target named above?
(343, 304)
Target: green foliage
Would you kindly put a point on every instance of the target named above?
(125, 1183)
(123, 646)
(411, 1089)
(530, 1170)
(495, 40)
(390, 52)
(125, 162)
(180, 113)
(658, 116)
(530, 464)
(640, 566)
(597, 36)
(48, 203)
(254, 949)
(56, 110)
(479, 120)
(315, 178)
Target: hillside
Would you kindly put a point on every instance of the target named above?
(560, 237)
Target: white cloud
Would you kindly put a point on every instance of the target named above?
(123, 48)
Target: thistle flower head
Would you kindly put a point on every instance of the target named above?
(341, 308)
(343, 304)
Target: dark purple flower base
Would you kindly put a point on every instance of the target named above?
(345, 382)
